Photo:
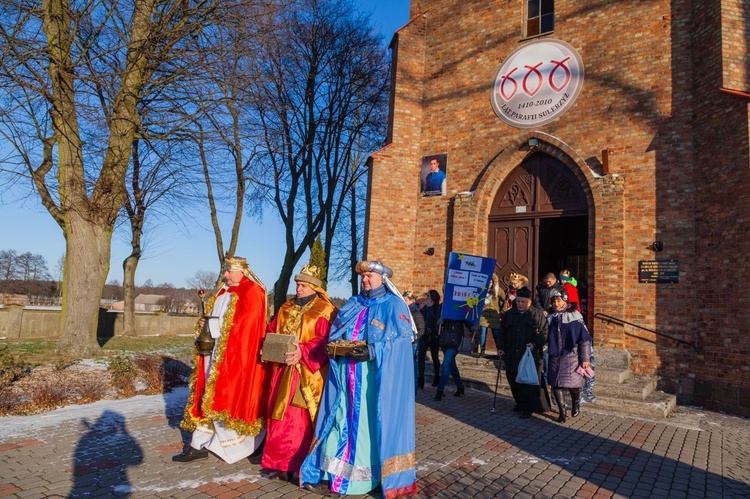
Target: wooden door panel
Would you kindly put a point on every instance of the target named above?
(511, 243)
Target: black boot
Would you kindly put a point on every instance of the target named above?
(438, 396)
(420, 382)
(575, 394)
(436, 380)
(560, 401)
(190, 454)
(459, 392)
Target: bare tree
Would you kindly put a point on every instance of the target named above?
(71, 76)
(152, 178)
(203, 279)
(321, 84)
(8, 268)
(224, 141)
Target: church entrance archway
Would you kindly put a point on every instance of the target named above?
(538, 222)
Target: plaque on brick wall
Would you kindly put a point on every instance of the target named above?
(659, 271)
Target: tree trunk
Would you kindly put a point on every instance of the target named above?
(128, 285)
(282, 284)
(87, 253)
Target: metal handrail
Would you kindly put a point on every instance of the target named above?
(609, 318)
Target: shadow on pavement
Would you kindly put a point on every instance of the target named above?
(600, 454)
(102, 457)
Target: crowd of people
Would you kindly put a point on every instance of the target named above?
(330, 403)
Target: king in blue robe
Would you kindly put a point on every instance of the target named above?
(365, 429)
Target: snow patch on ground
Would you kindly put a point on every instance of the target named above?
(17, 426)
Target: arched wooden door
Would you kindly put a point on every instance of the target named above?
(539, 221)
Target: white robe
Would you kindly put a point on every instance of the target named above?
(223, 442)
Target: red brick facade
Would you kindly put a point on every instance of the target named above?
(667, 92)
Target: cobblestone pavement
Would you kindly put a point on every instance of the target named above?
(123, 448)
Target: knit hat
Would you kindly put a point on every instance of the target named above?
(524, 292)
(561, 294)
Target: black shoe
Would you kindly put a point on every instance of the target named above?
(525, 415)
(435, 380)
(438, 396)
(191, 454)
(257, 456)
(274, 475)
(560, 404)
(575, 395)
(322, 489)
(459, 392)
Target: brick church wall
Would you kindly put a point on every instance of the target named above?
(678, 168)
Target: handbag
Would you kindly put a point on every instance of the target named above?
(451, 335)
(527, 374)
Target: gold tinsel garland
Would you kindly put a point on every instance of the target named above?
(189, 423)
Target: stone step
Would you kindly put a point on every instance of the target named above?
(657, 404)
(616, 390)
(611, 375)
(631, 388)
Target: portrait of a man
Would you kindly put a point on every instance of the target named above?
(433, 175)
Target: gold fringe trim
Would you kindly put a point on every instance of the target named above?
(397, 464)
(189, 422)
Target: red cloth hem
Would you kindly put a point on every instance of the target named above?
(402, 492)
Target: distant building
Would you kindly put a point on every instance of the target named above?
(144, 303)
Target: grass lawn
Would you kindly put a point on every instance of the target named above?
(42, 351)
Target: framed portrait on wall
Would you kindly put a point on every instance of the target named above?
(433, 175)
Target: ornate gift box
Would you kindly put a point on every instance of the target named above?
(276, 345)
(342, 347)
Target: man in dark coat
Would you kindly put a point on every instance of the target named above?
(524, 326)
(543, 290)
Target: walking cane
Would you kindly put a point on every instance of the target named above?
(497, 382)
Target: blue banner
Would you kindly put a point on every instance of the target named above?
(466, 285)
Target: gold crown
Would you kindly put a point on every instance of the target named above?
(310, 270)
(513, 276)
(309, 274)
(408, 293)
(565, 273)
(236, 263)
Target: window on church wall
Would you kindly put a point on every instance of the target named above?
(540, 17)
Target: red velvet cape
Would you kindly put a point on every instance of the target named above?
(236, 391)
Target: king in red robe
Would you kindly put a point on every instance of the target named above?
(226, 408)
(297, 384)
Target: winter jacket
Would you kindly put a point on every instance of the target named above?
(431, 316)
(492, 313)
(418, 319)
(541, 298)
(516, 331)
(569, 347)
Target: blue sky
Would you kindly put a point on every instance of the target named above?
(173, 256)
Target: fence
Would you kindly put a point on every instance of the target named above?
(19, 322)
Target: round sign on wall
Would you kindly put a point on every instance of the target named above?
(537, 83)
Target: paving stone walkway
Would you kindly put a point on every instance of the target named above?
(123, 449)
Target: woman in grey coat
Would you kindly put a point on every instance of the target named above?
(569, 348)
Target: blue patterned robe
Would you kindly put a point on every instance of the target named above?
(365, 429)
